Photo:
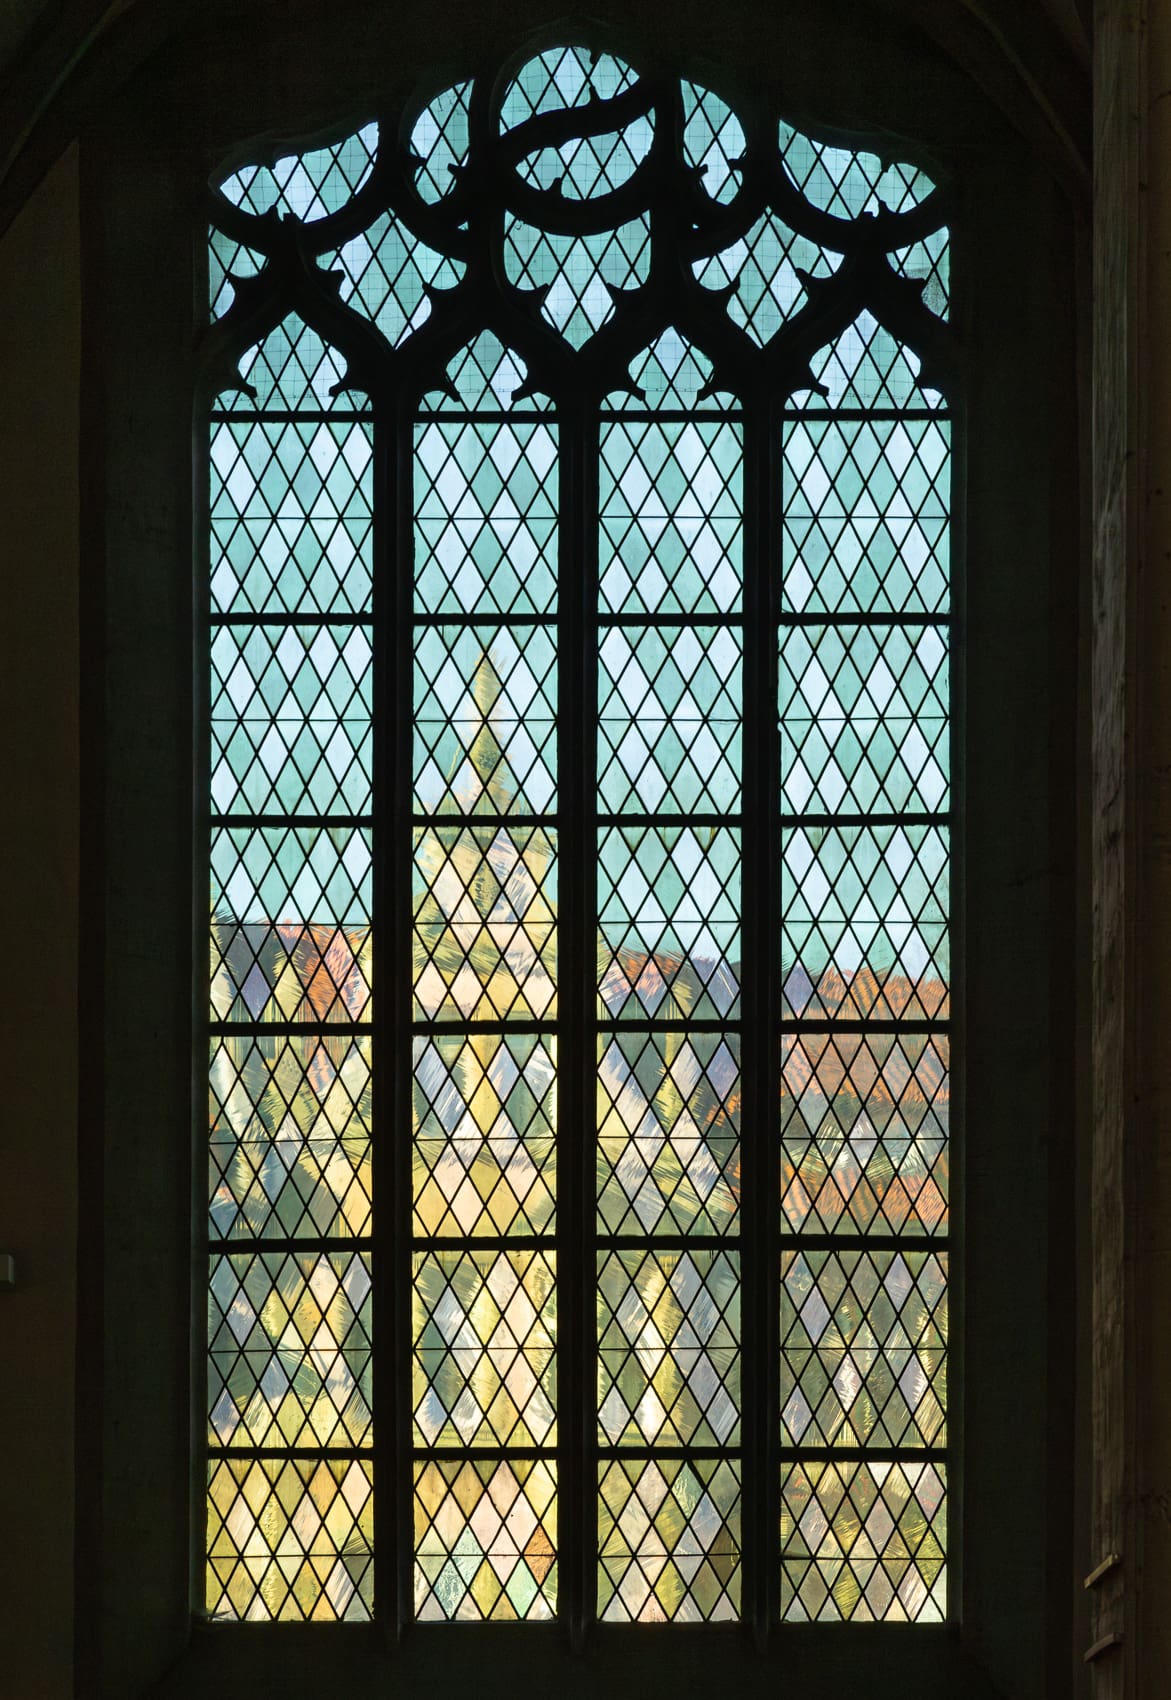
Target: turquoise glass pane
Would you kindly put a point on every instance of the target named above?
(485, 518)
(867, 517)
(865, 928)
(306, 186)
(847, 183)
(670, 511)
(669, 731)
(290, 719)
(864, 719)
(485, 719)
(291, 518)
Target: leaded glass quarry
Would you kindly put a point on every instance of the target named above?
(578, 647)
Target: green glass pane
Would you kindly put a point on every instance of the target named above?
(864, 719)
(847, 183)
(669, 1540)
(306, 186)
(563, 77)
(290, 719)
(668, 1133)
(289, 1137)
(867, 506)
(485, 719)
(670, 719)
(485, 518)
(865, 933)
(227, 258)
(669, 1348)
(761, 270)
(713, 141)
(289, 1349)
(439, 141)
(578, 275)
(291, 518)
(670, 517)
(669, 922)
(290, 1539)
(290, 932)
(386, 272)
(293, 370)
(863, 1348)
(487, 376)
(485, 1125)
(863, 1543)
(485, 932)
(670, 373)
(930, 261)
(590, 165)
(484, 1332)
(864, 1128)
(485, 1540)
(866, 367)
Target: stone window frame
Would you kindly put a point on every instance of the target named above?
(1015, 240)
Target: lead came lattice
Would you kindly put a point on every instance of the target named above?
(579, 301)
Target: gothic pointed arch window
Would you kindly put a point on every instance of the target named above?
(578, 628)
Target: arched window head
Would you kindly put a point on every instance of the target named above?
(579, 631)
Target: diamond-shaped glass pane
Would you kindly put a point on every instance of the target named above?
(713, 140)
(865, 929)
(290, 518)
(293, 370)
(563, 77)
(289, 1358)
(848, 184)
(484, 1331)
(485, 935)
(669, 921)
(591, 165)
(386, 272)
(863, 1543)
(290, 934)
(290, 1538)
(306, 186)
(863, 1348)
(485, 518)
(671, 504)
(864, 719)
(669, 1348)
(485, 727)
(669, 1540)
(762, 267)
(485, 1539)
(485, 1122)
(668, 1133)
(866, 366)
(290, 1137)
(227, 258)
(579, 273)
(485, 376)
(290, 719)
(930, 260)
(864, 1123)
(439, 141)
(670, 373)
(669, 722)
(867, 506)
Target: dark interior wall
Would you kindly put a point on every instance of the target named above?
(40, 337)
(39, 363)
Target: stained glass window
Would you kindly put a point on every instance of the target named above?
(578, 648)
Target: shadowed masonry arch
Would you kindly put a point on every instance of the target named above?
(211, 94)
